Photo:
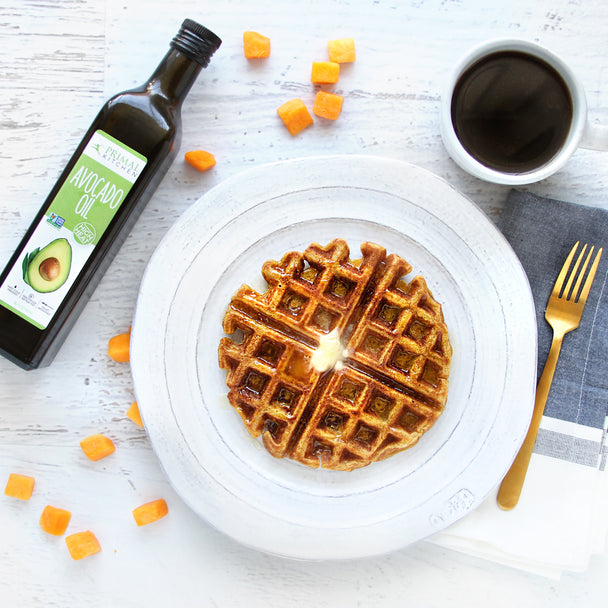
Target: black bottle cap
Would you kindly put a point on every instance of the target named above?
(196, 42)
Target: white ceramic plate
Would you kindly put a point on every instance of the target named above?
(280, 506)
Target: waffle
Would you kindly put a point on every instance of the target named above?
(339, 362)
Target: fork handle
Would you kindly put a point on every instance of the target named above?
(511, 486)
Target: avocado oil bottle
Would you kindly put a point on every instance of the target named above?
(91, 209)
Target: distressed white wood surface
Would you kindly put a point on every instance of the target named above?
(59, 60)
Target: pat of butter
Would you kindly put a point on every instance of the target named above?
(329, 353)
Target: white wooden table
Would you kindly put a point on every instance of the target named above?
(58, 62)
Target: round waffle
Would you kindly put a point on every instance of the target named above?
(339, 362)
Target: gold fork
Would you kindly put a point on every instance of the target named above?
(563, 313)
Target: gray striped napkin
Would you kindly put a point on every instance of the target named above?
(542, 232)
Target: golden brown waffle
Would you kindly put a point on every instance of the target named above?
(390, 384)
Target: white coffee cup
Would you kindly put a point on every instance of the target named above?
(579, 133)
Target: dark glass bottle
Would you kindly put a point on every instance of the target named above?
(95, 203)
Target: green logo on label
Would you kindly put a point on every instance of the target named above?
(84, 233)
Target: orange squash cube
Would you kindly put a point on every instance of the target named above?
(150, 512)
(256, 45)
(295, 116)
(134, 415)
(19, 486)
(118, 347)
(82, 544)
(201, 160)
(55, 521)
(97, 447)
(327, 105)
(342, 50)
(325, 72)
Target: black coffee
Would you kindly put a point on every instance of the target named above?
(511, 111)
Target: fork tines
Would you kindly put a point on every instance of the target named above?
(575, 293)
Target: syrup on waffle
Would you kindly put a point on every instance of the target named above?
(377, 393)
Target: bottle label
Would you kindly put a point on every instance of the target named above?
(67, 235)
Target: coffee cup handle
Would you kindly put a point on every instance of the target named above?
(595, 137)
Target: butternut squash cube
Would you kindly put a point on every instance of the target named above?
(82, 544)
(342, 50)
(327, 105)
(118, 347)
(150, 512)
(55, 521)
(97, 447)
(256, 45)
(295, 116)
(201, 160)
(134, 415)
(19, 486)
(325, 72)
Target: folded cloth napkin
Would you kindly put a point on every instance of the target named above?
(562, 516)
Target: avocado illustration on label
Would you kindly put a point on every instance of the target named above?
(47, 269)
